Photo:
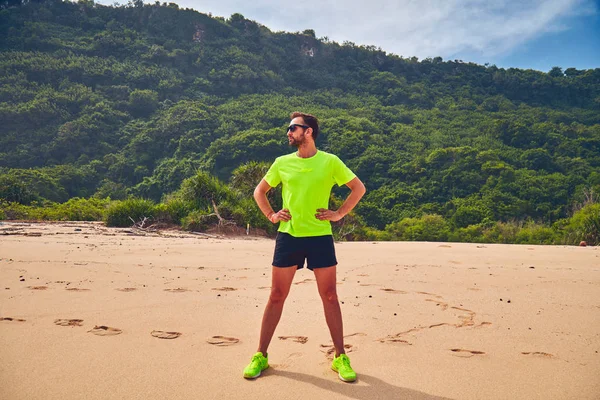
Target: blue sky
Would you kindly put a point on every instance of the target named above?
(578, 47)
(536, 34)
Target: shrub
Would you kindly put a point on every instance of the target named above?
(77, 209)
(199, 220)
(245, 177)
(173, 209)
(14, 210)
(375, 234)
(470, 234)
(533, 233)
(120, 213)
(432, 228)
(245, 212)
(502, 232)
(583, 225)
(202, 189)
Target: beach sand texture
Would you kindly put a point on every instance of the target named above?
(99, 313)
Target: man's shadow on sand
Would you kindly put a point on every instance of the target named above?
(375, 389)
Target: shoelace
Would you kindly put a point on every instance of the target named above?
(256, 359)
(346, 362)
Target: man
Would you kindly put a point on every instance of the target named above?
(307, 177)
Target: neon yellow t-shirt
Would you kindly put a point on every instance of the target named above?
(306, 186)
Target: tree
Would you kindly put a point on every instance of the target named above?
(142, 103)
(556, 72)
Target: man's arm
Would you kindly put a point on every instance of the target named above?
(357, 191)
(260, 195)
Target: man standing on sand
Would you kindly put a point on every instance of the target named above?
(307, 177)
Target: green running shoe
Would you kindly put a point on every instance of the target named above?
(258, 364)
(341, 365)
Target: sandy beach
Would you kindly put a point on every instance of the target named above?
(103, 313)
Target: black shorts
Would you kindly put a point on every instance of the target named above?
(318, 251)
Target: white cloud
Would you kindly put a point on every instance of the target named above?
(422, 28)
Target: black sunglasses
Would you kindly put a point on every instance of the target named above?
(293, 127)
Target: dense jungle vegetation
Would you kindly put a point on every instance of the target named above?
(150, 110)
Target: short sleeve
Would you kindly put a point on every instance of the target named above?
(341, 173)
(272, 177)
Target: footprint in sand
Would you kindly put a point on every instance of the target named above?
(466, 353)
(76, 289)
(288, 361)
(126, 289)
(329, 349)
(466, 320)
(443, 305)
(538, 354)
(223, 340)
(299, 339)
(396, 338)
(431, 294)
(225, 289)
(441, 324)
(177, 290)
(37, 287)
(11, 319)
(102, 330)
(393, 339)
(165, 335)
(394, 291)
(304, 281)
(68, 322)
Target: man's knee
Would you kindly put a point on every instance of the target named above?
(278, 295)
(329, 295)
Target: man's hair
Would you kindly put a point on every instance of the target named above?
(309, 120)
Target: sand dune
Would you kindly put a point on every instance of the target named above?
(96, 313)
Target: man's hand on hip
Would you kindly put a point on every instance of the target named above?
(324, 214)
(281, 215)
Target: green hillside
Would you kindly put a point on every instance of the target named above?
(125, 101)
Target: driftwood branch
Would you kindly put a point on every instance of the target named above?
(139, 226)
(222, 221)
(216, 211)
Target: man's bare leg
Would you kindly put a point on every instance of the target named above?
(326, 283)
(280, 287)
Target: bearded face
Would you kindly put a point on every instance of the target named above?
(296, 140)
(296, 132)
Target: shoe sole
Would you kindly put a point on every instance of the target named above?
(255, 376)
(342, 379)
(251, 377)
